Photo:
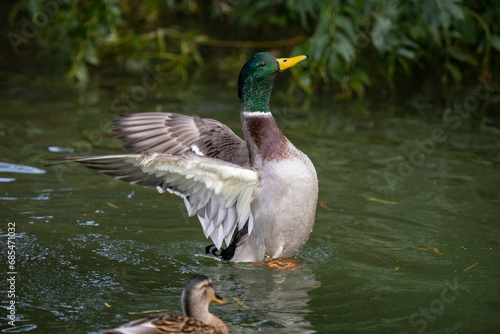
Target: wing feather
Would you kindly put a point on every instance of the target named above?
(176, 134)
(198, 159)
(218, 192)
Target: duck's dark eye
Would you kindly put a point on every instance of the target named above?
(262, 64)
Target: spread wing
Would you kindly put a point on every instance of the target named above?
(177, 134)
(219, 192)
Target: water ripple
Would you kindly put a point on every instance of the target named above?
(15, 168)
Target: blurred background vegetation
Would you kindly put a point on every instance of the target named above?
(352, 44)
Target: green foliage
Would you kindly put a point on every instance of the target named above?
(74, 29)
(355, 42)
(352, 43)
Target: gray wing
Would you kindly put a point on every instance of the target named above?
(177, 134)
(219, 192)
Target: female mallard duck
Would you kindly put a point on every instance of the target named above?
(195, 298)
(258, 195)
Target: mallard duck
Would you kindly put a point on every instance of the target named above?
(257, 195)
(195, 299)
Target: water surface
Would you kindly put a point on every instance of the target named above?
(406, 237)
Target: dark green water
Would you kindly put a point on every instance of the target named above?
(406, 237)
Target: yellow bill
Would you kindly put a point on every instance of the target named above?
(218, 299)
(286, 63)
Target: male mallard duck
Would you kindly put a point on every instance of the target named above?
(258, 195)
(195, 298)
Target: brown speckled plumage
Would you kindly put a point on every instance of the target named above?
(166, 323)
(196, 296)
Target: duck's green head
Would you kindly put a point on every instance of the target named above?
(256, 79)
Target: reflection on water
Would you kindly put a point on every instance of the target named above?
(421, 256)
(7, 179)
(57, 149)
(268, 297)
(14, 168)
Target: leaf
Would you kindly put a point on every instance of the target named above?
(90, 54)
(406, 53)
(460, 55)
(373, 199)
(363, 77)
(79, 72)
(345, 24)
(378, 241)
(444, 19)
(238, 301)
(335, 66)
(454, 71)
(471, 266)
(318, 44)
(380, 33)
(454, 9)
(495, 42)
(114, 206)
(358, 87)
(344, 47)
